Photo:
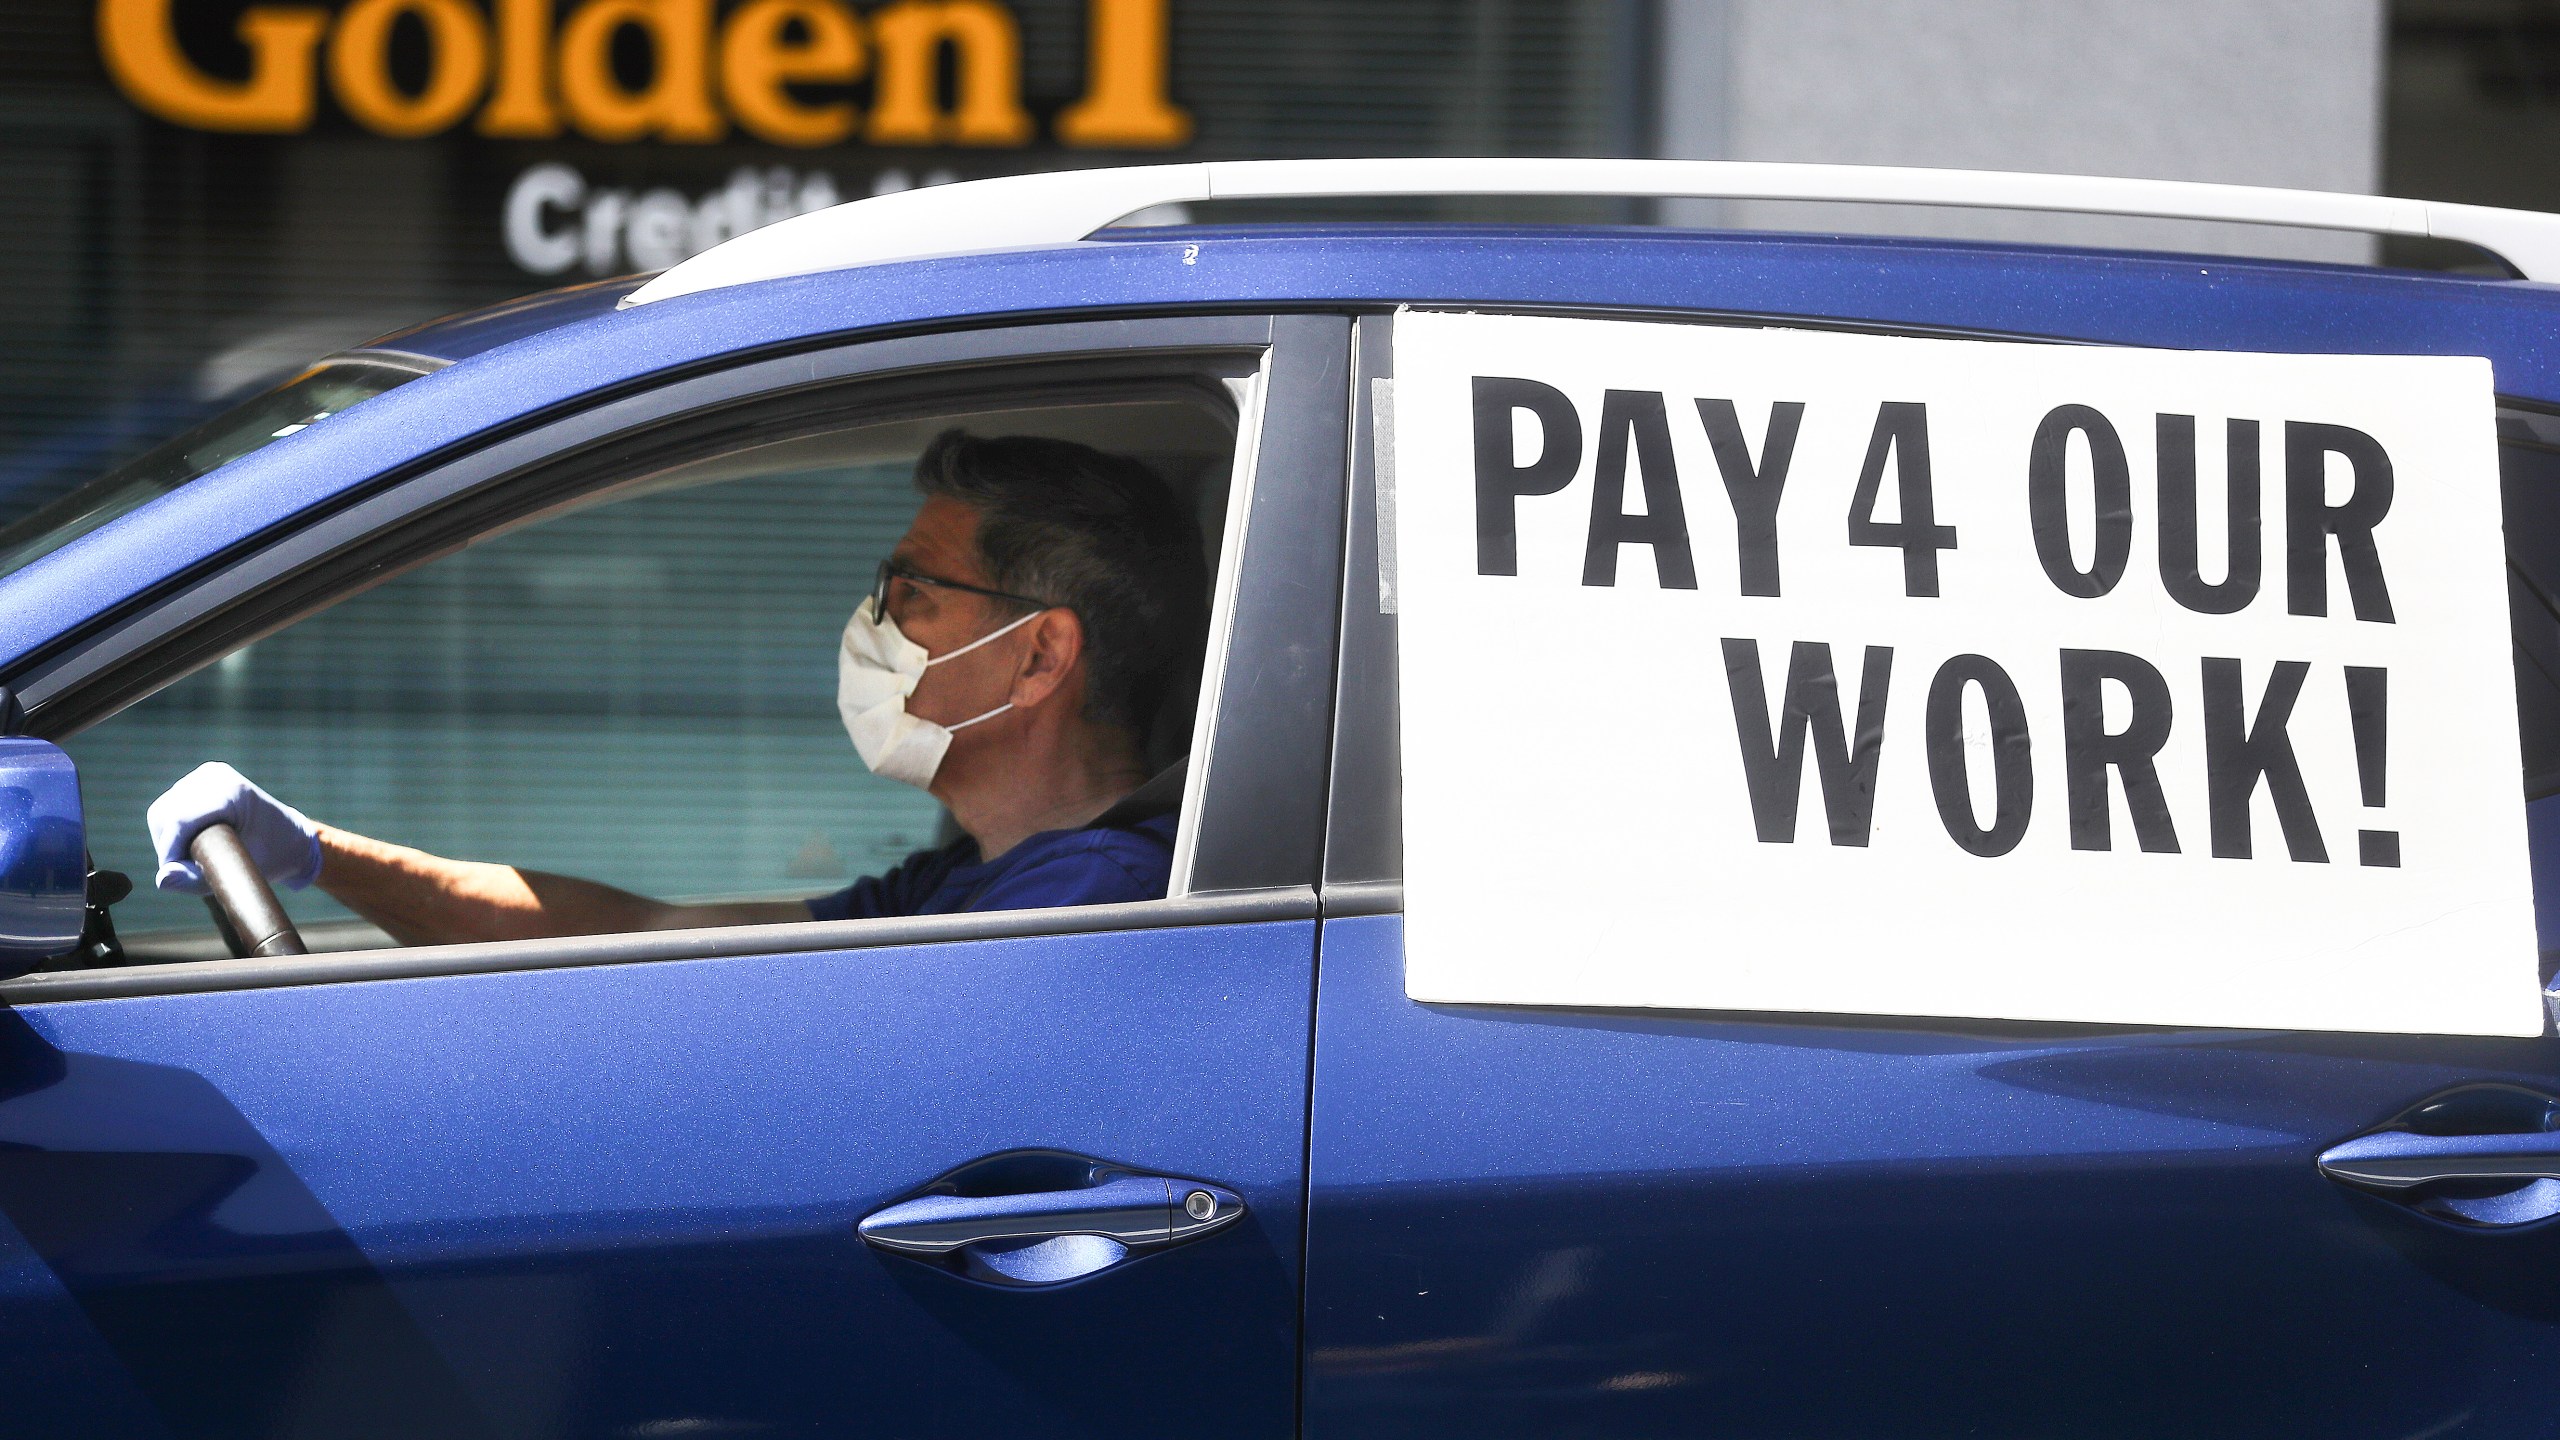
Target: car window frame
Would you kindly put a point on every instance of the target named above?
(1254, 821)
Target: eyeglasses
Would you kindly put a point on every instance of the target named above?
(892, 570)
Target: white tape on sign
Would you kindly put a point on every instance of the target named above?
(1774, 670)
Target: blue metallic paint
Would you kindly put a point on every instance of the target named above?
(2087, 295)
(44, 864)
(1555, 1222)
(593, 1202)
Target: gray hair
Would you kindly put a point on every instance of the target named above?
(1094, 533)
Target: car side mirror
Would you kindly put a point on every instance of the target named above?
(44, 863)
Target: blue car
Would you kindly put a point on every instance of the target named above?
(559, 583)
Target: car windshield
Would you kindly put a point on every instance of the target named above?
(299, 403)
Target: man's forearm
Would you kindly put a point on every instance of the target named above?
(423, 899)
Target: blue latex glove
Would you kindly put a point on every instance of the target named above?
(281, 840)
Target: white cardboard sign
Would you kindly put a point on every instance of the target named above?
(1779, 670)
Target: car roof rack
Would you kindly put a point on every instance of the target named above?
(1063, 206)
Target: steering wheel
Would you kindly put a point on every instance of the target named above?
(244, 907)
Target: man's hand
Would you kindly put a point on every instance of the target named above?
(281, 840)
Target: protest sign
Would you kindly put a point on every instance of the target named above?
(1771, 670)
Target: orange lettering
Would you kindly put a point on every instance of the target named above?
(541, 71)
(360, 65)
(141, 53)
(758, 58)
(1125, 68)
(520, 108)
(909, 37)
(676, 105)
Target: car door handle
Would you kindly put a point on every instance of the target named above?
(2391, 1161)
(1134, 1211)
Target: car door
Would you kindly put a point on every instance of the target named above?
(615, 1186)
(1637, 1223)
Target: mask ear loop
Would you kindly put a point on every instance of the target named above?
(990, 715)
(984, 639)
(972, 645)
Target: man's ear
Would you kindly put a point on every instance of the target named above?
(1051, 653)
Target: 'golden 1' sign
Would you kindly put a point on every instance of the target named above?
(532, 75)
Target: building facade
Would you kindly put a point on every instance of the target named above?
(204, 195)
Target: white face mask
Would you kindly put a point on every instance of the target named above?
(876, 670)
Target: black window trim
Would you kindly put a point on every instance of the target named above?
(1267, 695)
(1364, 828)
(1267, 709)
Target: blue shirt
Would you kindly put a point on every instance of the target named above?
(1092, 866)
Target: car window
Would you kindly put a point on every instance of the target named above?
(641, 691)
(2529, 469)
(2529, 475)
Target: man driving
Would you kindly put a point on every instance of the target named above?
(1010, 656)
